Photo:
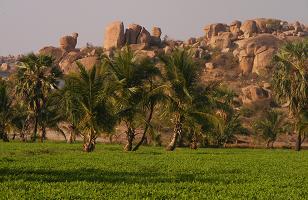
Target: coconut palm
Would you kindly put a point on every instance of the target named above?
(187, 101)
(290, 80)
(5, 111)
(87, 95)
(153, 95)
(132, 74)
(270, 126)
(36, 77)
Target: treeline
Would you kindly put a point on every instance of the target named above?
(143, 93)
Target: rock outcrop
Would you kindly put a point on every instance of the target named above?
(4, 67)
(114, 35)
(56, 53)
(68, 43)
(155, 37)
(252, 95)
(249, 28)
(214, 29)
(132, 32)
(144, 37)
(255, 53)
(235, 27)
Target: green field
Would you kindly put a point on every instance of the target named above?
(62, 171)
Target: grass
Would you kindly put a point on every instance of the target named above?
(62, 171)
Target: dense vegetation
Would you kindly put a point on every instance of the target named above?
(139, 93)
(43, 171)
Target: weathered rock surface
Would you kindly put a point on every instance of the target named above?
(144, 37)
(66, 64)
(222, 40)
(253, 94)
(89, 62)
(249, 28)
(255, 54)
(56, 53)
(4, 67)
(214, 29)
(68, 43)
(155, 37)
(114, 35)
(235, 27)
(132, 33)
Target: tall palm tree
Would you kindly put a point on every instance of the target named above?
(87, 103)
(5, 111)
(131, 74)
(290, 80)
(36, 77)
(270, 126)
(187, 100)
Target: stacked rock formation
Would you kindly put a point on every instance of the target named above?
(136, 36)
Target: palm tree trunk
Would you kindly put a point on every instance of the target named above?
(89, 146)
(193, 144)
(43, 137)
(130, 133)
(34, 136)
(3, 135)
(177, 132)
(89, 143)
(145, 129)
(298, 142)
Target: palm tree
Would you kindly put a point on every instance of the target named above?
(134, 77)
(270, 126)
(187, 100)
(5, 111)
(153, 96)
(36, 77)
(290, 80)
(87, 103)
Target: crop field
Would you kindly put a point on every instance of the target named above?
(63, 171)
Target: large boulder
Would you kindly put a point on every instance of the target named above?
(252, 95)
(298, 27)
(266, 25)
(255, 54)
(4, 67)
(249, 28)
(144, 37)
(89, 62)
(68, 43)
(155, 37)
(246, 62)
(222, 40)
(131, 33)
(56, 53)
(67, 63)
(235, 27)
(214, 29)
(262, 60)
(114, 35)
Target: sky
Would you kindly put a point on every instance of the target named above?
(28, 25)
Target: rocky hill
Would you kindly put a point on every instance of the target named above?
(239, 54)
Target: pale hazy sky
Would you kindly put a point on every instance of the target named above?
(27, 25)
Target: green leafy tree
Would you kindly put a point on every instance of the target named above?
(270, 126)
(87, 103)
(36, 77)
(290, 80)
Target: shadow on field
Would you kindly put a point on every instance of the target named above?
(94, 175)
